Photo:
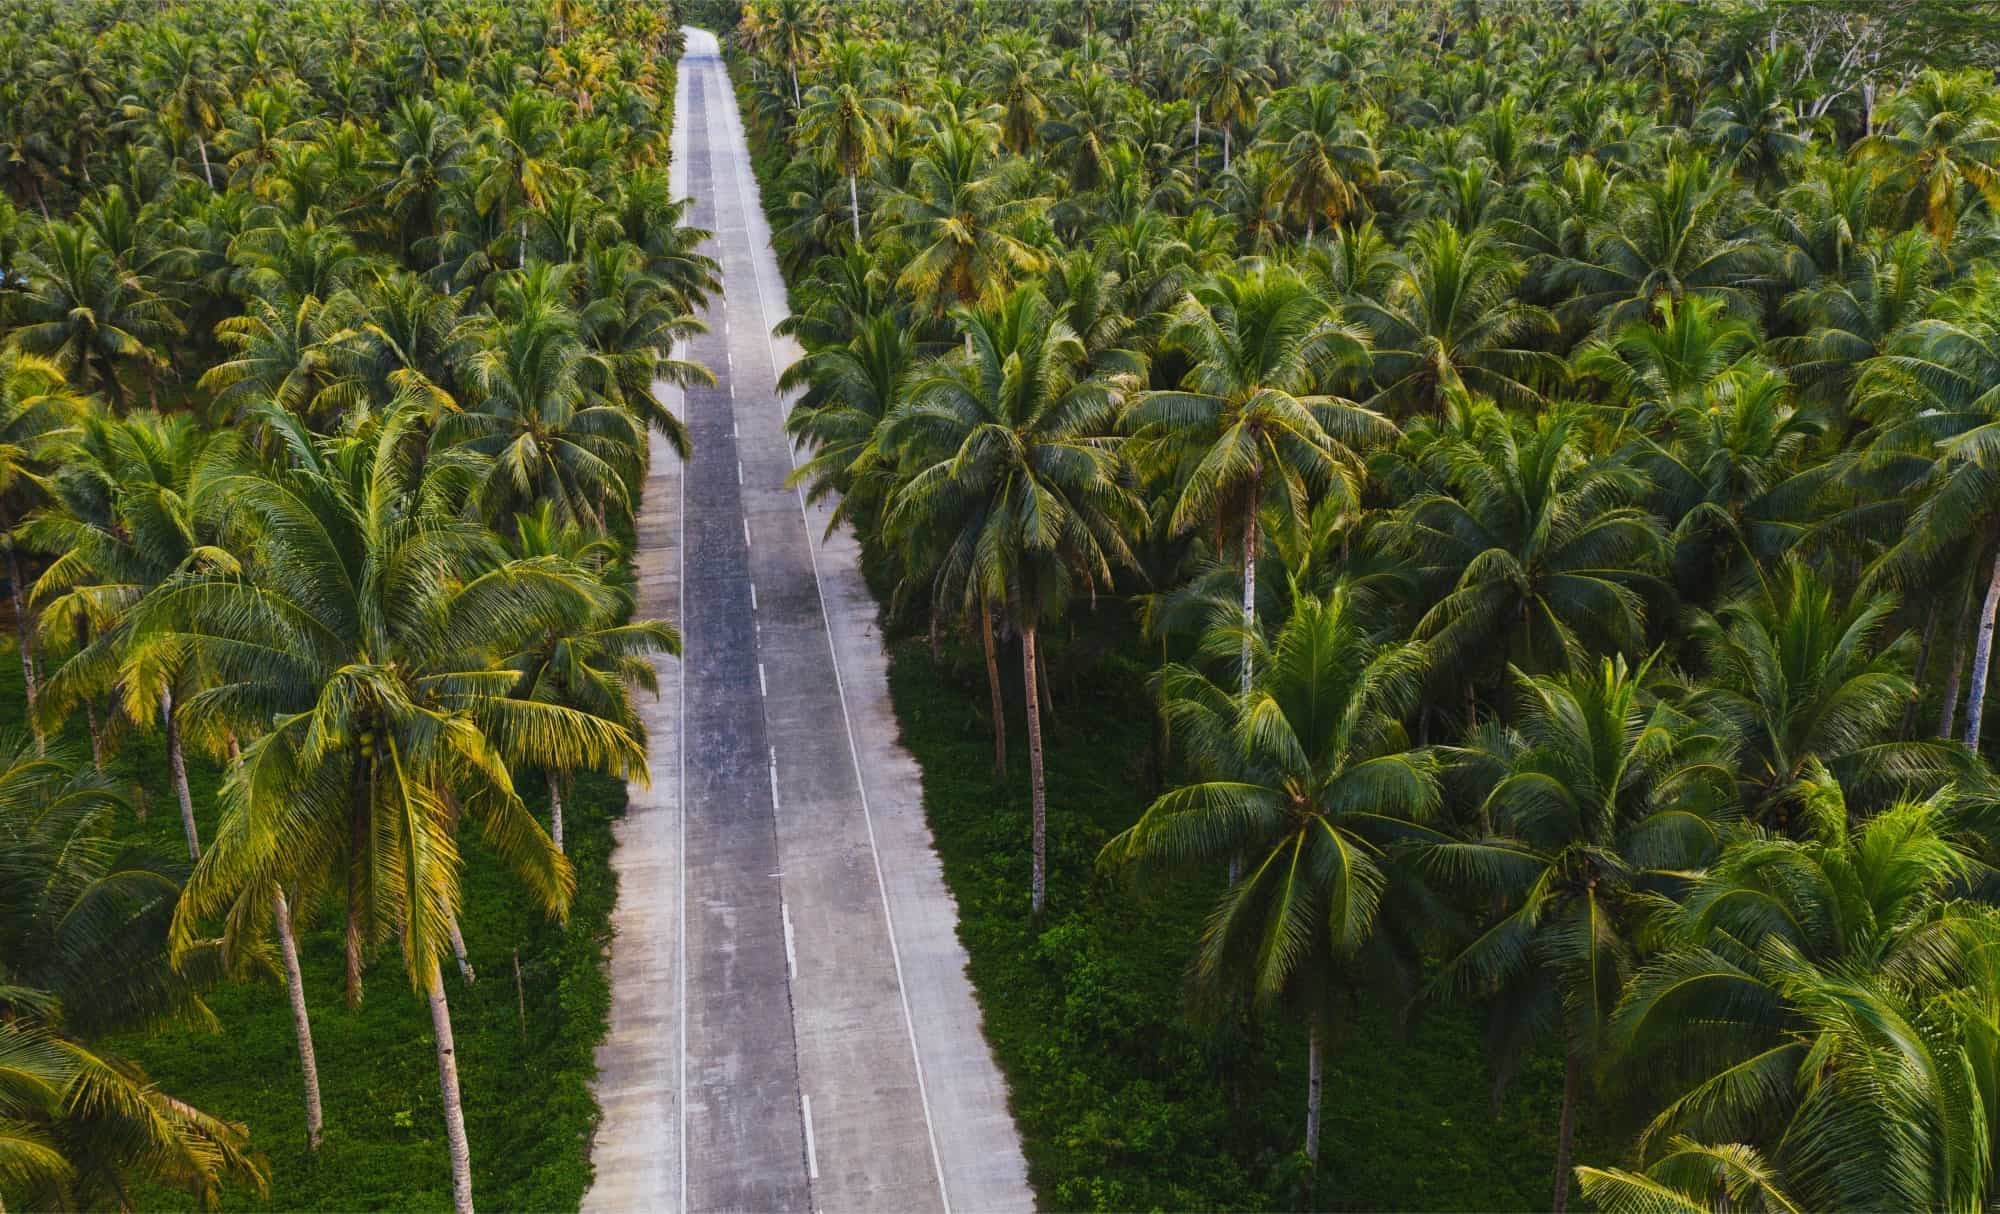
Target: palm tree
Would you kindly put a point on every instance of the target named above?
(364, 654)
(523, 171)
(1794, 1011)
(1225, 78)
(1017, 494)
(632, 319)
(1939, 147)
(38, 417)
(960, 213)
(1602, 794)
(194, 93)
(843, 118)
(122, 525)
(87, 315)
(1535, 554)
(1309, 778)
(83, 950)
(1251, 425)
(1809, 681)
(591, 663)
(1327, 161)
(1450, 322)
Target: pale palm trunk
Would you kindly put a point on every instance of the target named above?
(993, 691)
(521, 253)
(556, 813)
(1982, 656)
(177, 764)
(458, 951)
(454, 1112)
(1197, 141)
(27, 631)
(357, 853)
(1225, 147)
(854, 206)
(1039, 898)
(207, 174)
(1251, 535)
(295, 988)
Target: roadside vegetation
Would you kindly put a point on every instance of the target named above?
(328, 341)
(1462, 535)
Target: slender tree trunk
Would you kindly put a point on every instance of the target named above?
(1041, 876)
(521, 252)
(207, 174)
(295, 987)
(454, 1112)
(458, 951)
(96, 734)
(1982, 656)
(177, 764)
(1043, 684)
(1225, 147)
(1197, 142)
(1566, 1127)
(993, 691)
(1251, 535)
(1948, 711)
(26, 629)
(357, 856)
(798, 101)
(1315, 1089)
(556, 812)
(854, 206)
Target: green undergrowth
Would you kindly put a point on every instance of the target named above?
(528, 1109)
(1124, 1101)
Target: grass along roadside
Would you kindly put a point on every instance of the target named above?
(529, 1112)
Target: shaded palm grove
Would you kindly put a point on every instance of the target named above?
(328, 341)
(1549, 451)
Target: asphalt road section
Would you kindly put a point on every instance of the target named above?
(791, 1025)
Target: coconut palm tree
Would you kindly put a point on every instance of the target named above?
(1602, 793)
(379, 716)
(1327, 161)
(1309, 779)
(843, 116)
(1795, 1010)
(1016, 494)
(39, 415)
(1938, 149)
(83, 950)
(88, 316)
(1450, 323)
(1252, 425)
(960, 214)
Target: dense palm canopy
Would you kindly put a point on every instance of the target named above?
(1610, 386)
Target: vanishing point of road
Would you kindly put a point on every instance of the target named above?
(791, 1023)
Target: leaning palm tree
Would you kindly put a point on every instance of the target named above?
(1602, 794)
(1309, 779)
(1016, 494)
(363, 653)
(83, 950)
(1252, 425)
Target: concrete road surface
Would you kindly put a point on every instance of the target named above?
(791, 1024)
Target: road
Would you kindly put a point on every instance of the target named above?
(791, 1027)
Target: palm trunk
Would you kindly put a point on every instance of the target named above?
(854, 206)
(295, 987)
(1225, 147)
(1043, 684)
(1315, 1089)
(177, 764)
(1982, 656)
(1039, 898)
(1566, 1127)
(96, 734)
(993, 691)
(521, 252)
(26, 629)
(458, 951)
(1948, 711)
(1251, 535)
(556, 812)
(357, 856)
(1197, 142)
(454, 1113)
(207, 174)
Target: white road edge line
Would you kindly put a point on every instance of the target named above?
(763, 688)
(791, 948)
(735, 121)
(746, 531)
(812, 1152)
(739, 471)
(753, 596)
